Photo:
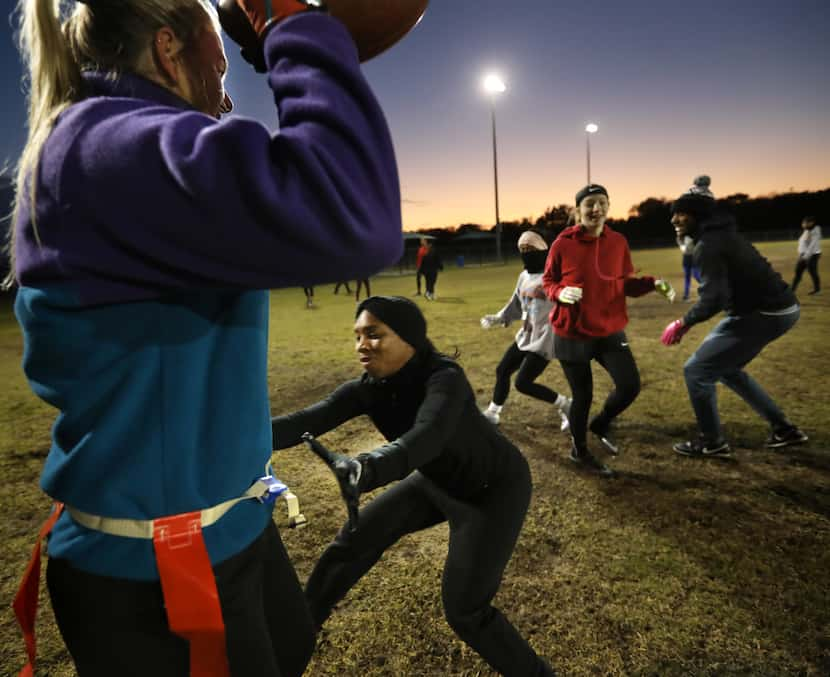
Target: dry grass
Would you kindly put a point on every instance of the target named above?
(677, 567)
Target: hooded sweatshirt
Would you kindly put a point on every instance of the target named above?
(602, 267)
(733, 275)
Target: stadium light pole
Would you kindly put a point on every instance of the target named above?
(494, 85)
(590, 128)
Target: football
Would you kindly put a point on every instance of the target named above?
(376, 25)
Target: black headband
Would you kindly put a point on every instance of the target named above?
(401, 315)
(590, 189)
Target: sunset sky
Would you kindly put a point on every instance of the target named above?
(737, 89)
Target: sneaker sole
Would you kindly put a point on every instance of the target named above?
(606, 472)
(786, 443)
(723, 453)
(609, 447)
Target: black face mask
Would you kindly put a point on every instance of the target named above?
(535, 261)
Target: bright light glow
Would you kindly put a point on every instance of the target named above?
(493, 84)
(591, 128)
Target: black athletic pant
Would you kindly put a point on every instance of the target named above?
(614, 355)
(429, 278)
(418, 276)
(341, 284)
(811, 265)
(365, 282)
(529, 366)
(115, 626)
(483, 533)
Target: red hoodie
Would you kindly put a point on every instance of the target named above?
(602, 267)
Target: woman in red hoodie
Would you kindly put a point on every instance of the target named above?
(589, 274)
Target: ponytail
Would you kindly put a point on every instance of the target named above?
(105, 36)
(54, 83)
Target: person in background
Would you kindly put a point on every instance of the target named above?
(419, 259)
(430, 265)
(588, 274)
(809, 252)
(309, 296)
(687, 246)
(532, 348)
(760, 308)
(341, 284)
(362, 282)
(448, 464)
(146, 233)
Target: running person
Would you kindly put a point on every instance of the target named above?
(453, 466)
(760, 308)
(589, 273)
(532, 348)
(145, 231)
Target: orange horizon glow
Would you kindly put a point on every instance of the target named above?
(478, 207)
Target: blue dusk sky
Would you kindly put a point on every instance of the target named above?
(737, 89)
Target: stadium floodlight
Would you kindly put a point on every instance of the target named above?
(493, 85)
(590, 128)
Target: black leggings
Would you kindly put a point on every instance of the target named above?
(620, 365)
(530, 366)
(483, 533)
(811, 265)
(115, 626)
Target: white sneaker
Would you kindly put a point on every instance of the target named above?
(564, 412)
(491, 416)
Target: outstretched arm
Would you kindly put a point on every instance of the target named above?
(342, 405)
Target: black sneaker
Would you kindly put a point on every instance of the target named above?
(584, 458)
(604, 436)
(702, 448)
(785, 438)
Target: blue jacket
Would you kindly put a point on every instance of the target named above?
(143, 311)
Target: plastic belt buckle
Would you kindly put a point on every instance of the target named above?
(274, 489)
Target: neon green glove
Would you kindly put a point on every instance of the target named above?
(664, 288)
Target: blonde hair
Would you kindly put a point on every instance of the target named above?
(110, 36)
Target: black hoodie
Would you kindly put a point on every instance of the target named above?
(734, 275)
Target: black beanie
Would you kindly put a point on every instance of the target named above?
(699, 206)
(590, 189)
(401, 315)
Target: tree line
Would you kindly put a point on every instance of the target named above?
(648, 223)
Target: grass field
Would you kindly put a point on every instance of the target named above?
(677, 567)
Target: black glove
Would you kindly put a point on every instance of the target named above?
(347, 471)
(247, 21)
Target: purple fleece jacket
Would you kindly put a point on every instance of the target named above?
(147, 195)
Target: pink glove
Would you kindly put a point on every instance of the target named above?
(673, 333)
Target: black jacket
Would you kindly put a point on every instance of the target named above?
(428, 413)
(734, 275)
(432, 262)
